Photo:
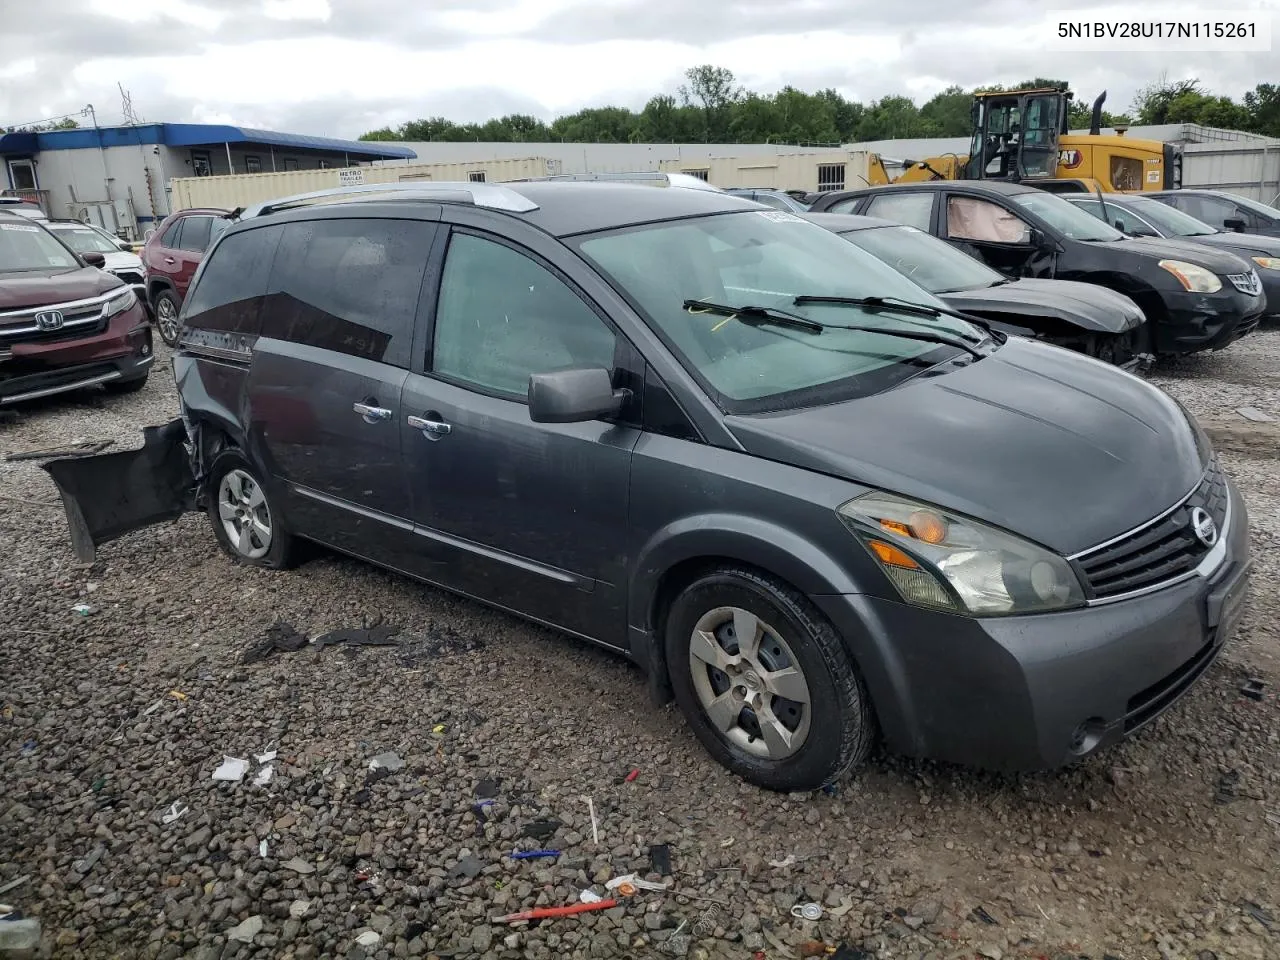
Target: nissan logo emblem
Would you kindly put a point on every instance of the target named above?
(1203, 526)
(49, 320)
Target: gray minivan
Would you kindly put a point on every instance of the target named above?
(820, 511)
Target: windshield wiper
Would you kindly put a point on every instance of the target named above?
(902, 306)
(756, 315)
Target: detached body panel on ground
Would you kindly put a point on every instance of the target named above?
(805, 520)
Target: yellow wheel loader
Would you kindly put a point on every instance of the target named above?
(1022, 135)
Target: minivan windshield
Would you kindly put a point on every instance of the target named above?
(1066, 218)
(767, 259)
(935, 265)
(85, 240)
(24, 246)
(1171, 221)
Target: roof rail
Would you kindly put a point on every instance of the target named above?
(686, 180)
(492, 195)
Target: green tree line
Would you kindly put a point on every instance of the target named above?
(711, 107)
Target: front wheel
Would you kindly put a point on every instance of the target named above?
(166, 313)
(765, 682)
(245, 522)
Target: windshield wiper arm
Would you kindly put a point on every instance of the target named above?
(903, 306)
(756, 315)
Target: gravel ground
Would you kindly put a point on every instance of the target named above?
(1164, 847)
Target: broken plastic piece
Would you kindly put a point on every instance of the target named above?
(369, 938)
(1252, 688)
(629, 880)
(534, 854)
(630, 778)
(232, 769)
(279, 637)
(264, 776)
(595, 830)
(590, 896)
(266, 757)
(388, 761)
(262, 849)
(438, 728)
(175, 811)
(979, 913)
(83, 609)
(660, 858)
(177, 694)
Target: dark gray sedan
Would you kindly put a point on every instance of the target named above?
(1080, 316)
(818, 509)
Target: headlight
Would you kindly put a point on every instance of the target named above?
(941, 560)
(1268, 263)
(1195, 279)
(121, 302)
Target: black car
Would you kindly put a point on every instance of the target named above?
(816, 520)
(1223, 210)
(1194, 297)
(778, 199)
(1137, 216)
(1080, 316)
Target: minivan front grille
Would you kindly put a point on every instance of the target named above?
(1246, 282)
(1163, 550)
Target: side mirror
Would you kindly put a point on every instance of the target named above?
(124, 245)
(1235, 223)
(573, 396)
(94, 259)
(1037, 239)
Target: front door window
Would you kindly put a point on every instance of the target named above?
(981, 221)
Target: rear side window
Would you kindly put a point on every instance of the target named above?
(844, 206)
(195, 234)
(1211, 210)
(172, 235)
(350, 286)
(913, 209)
(233, 283)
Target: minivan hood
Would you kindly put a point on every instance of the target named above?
(1086, 305)
(35, 288)
(1047, 443)
(1220, 262)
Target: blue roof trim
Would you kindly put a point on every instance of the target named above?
(195, 134)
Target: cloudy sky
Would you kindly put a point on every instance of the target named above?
(340, 67)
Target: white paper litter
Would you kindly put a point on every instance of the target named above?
(233, 769)
(264, 776)
(175, 811)
(588, 896)
(266, 757)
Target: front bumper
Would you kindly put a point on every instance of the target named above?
(123, 350)
(1208, 321)
(1271, 290)
(1039, 692)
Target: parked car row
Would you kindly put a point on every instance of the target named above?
(816, 504)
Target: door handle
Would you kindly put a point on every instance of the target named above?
(169, 260)
(431, 429)
(371, 412)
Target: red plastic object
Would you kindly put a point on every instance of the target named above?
(544, 913)
(632, 775)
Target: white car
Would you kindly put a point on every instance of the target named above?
(22, 207)
(85, 238)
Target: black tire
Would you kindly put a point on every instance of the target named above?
(282, 551)
(132, 385)
(164, 310)
(842, 726)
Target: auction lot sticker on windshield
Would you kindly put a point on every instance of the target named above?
(779, 216)
(25, 227)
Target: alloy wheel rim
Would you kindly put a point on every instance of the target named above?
(749, 683)
(245, 517)
(168, 318)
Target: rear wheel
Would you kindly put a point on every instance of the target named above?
(245, 521)
(765, 682)
(166, 312)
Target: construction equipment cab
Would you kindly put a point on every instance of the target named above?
(1023, 135)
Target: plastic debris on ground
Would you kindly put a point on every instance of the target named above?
(1253, 688)
(540, 829)
(376, 634)
(262, 849)
(390, 762)
(590, 896)
(628, 883)
(534, 854)
(232, 769)
(595, 829)
(369, 938)
(86, 449)
(547, 913)
(280, 637)
(660, 858)
(488, 789)
(14, 884)
(83, 609)
(807, 911)
(1254, 414)
(980, 914)
(176, 810)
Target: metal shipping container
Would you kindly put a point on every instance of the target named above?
(243, 189)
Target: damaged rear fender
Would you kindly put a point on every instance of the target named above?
(109, 495)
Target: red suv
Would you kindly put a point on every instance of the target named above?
(64, 323)
(170, 258)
